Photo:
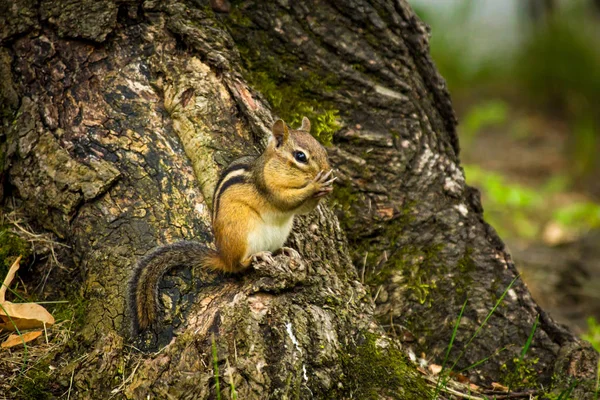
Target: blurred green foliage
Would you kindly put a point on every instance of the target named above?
(501, 192)
(593, 333)
(452, 51)
(483, 115)
(554, 66)
(558, 64)
(585, 214)
(551, 69)
(558, 68)
(517, 210)
(509, 208)
(553, 73)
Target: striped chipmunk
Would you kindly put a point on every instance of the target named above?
(255, 201)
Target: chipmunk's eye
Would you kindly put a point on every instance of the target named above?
(300, 156)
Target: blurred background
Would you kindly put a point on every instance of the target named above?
(524, 76)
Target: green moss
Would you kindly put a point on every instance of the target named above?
(35, 384)
(465, 267)
(342, 200)
(561, 388)
(358, 67)
(374, 370)
(416, 265)
(238, 18)
(291, 102)
(11, 246)
(278, 75)
(521, 374)
(40, 382)
(74, 310)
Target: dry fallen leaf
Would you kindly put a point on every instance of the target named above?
(474, 387)
(498, 386)
(20, 316)
(435, 369)
(15, 340)
(459, 377)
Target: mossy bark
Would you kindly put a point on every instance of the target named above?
(116, 119)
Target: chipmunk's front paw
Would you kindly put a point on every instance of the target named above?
(324, 183)
(283, 273)
(263, 256)
(288, 251)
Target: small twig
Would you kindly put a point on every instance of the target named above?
(486, 392)
(35, 237)
(377, 294)
(235, 351)
(350, 300)
(46, 278)
(460, 394)
(513, 395)
(71, 384)
(362, 279)
(8, 279)
(392, 325)
(129, 378)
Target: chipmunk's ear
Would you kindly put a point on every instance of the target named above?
(280, 133)
(305, 125)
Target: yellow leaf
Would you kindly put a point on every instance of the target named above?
(20, 316)
(15, 340)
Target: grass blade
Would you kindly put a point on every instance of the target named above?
(529, 339)
(489, 315)
(462, 310)
(26, 353)
(216, 366)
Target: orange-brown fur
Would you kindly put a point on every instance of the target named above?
(254, 205)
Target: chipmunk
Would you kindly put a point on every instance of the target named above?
(255, 201)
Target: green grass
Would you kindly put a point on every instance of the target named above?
(234, 394)
(215, 360)
(523, 373)
(593, 333)
(454, 331)
(444, 375)
(593, 336)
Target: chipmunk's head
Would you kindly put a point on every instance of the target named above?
(295, 164)
(297, 152)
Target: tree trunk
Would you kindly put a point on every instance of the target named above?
(117, 117)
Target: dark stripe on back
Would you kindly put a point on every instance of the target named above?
(226, 171)
(231, 168)
(236, 180)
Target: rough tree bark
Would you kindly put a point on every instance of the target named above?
(117, 117)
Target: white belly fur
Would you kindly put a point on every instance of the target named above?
(270, 234)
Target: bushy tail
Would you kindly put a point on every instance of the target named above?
(143, 286)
